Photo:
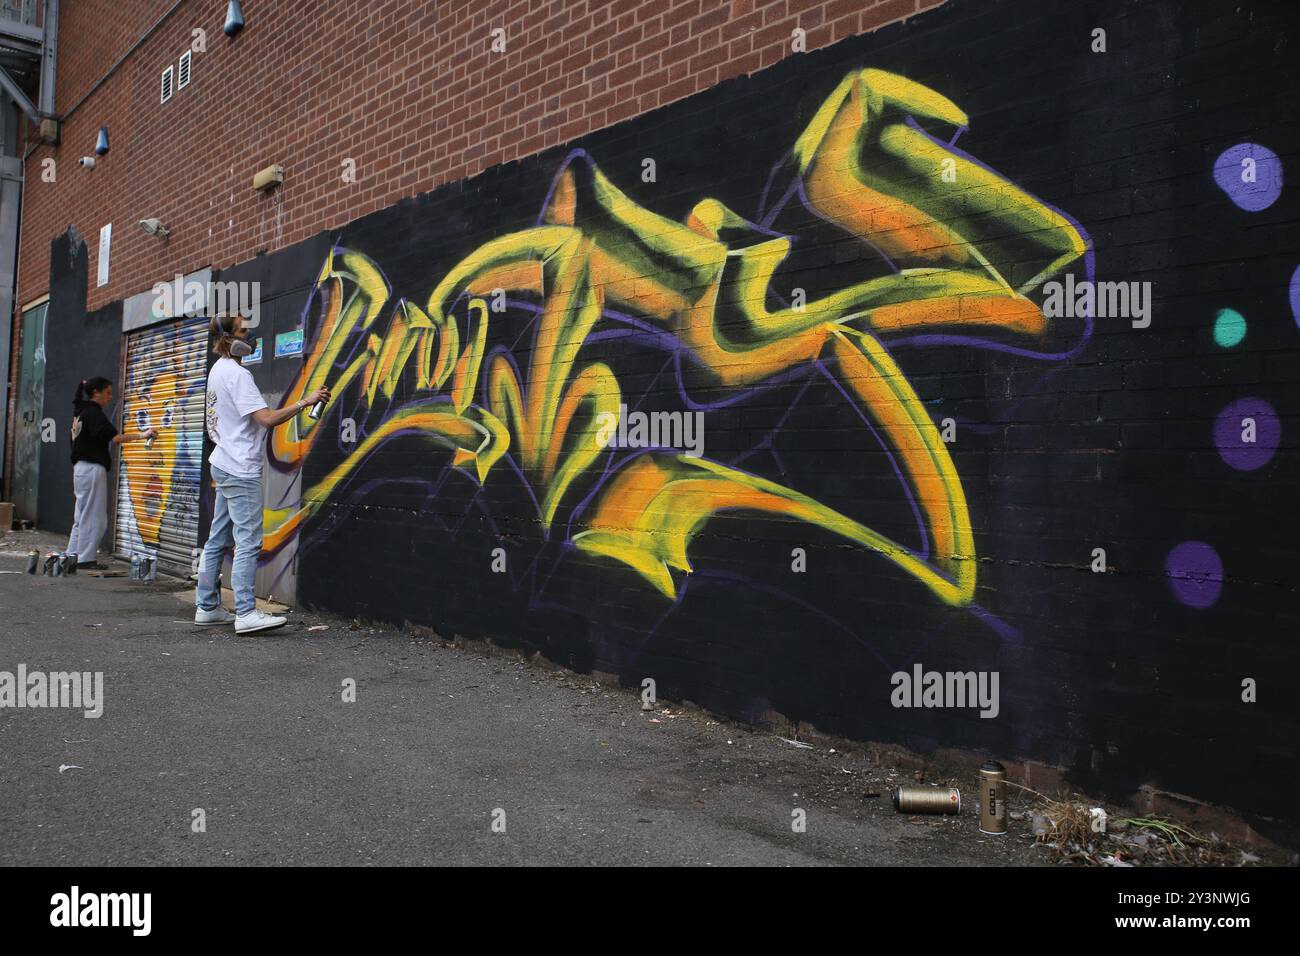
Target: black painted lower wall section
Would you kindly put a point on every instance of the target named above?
(78, 344)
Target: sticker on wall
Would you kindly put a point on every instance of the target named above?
(288, 343)
(105, 239)
(256, 357)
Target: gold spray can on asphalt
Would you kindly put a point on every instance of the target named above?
(993, 798)
(926, 800)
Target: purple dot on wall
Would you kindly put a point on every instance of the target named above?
(1195, 573)
(1247, 433)
(1295, 295)
(1250, 174)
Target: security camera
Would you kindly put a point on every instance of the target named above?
(154, 227)
(87, 161)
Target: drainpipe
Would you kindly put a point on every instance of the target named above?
(11, 191)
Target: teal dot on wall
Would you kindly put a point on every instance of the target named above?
(1229, 328)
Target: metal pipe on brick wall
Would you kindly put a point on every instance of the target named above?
(11, 190)
(120, 60)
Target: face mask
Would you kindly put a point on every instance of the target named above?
(239, 348)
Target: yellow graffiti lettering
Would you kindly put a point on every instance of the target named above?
(967, 247)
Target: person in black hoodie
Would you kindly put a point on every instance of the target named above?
(92, 434)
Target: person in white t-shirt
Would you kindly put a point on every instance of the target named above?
(236, 418)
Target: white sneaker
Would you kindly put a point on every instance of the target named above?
(257, 620)
(218, 615)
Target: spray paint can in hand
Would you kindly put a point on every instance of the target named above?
(993, 798)
(317, 410)
(148, 442)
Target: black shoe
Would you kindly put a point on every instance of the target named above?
(91, 566)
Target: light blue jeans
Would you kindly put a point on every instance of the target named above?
(237, 520)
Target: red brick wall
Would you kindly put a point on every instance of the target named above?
(92, 36)
(409, 90)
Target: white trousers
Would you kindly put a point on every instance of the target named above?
(90, 521)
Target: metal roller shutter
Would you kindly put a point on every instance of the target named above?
(164, 382)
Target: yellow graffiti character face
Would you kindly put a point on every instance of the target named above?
(148, 471)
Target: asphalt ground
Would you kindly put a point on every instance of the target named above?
(449, 754)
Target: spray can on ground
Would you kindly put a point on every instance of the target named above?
(33, 560)
(69, 563)
(927, 799)
(993, 798)
(146, 568)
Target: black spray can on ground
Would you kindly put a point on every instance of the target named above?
(926, 799)
(993, 798)
(33, 561)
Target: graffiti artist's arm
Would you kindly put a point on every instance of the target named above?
(269, 419)
(121, 438)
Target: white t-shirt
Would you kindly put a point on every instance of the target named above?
(232, 399)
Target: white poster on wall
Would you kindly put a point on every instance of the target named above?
(105, 237)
